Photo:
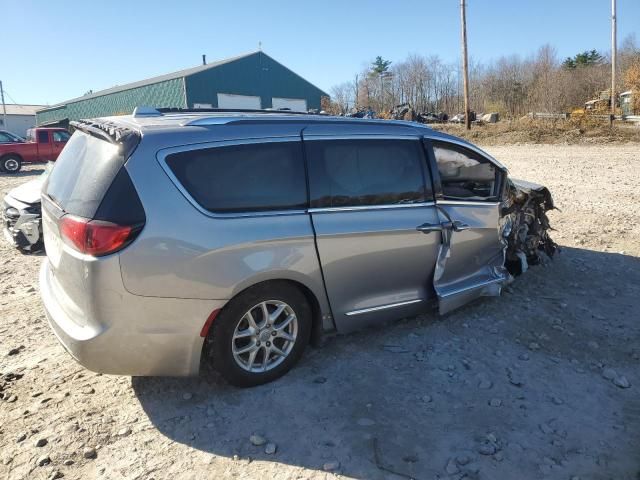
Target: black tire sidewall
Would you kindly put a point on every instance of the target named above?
(220, 353)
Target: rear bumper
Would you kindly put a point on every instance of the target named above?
(128, 334)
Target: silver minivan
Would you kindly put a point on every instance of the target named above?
(234, 239)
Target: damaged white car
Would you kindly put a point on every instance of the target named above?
(22, 217)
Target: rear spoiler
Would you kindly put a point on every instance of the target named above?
(111, 132)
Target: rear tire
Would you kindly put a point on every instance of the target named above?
(11, 164)
(249, 348)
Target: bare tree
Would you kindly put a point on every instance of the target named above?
(342, 98)
(510, 85)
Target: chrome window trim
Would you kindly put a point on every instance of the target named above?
(359, 208)
(383, 307)
(161, 157)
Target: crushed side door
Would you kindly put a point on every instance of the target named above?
(471, 258)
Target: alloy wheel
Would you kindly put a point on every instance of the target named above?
(264, 336)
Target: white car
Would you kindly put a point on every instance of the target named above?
(21, 215)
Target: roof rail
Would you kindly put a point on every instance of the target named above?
(234, 110)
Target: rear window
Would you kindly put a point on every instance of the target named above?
(43, 136)
(243, 178)
(82, 174)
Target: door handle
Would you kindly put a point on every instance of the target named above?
(429, 227)
(459, 226)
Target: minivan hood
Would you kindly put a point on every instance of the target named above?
(28, 192)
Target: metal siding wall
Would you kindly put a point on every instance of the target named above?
(18, 124)
(254, 75)
(52, 115)
(164, 94)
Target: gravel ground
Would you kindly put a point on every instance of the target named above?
(540, 383)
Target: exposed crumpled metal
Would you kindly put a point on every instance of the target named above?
(525, 225)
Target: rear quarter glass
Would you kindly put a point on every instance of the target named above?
(244, 177)
(82, 174)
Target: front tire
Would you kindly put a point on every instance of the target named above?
(11, 164)
(261, 334)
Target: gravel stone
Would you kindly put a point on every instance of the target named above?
(487, 449)
(270, 448)
(451, 467)
(621, 382)
(331, 466)
(257, 440)
(89, 453)
(545, 428)
(485, 384)
(366, 422)
(609, 373)
(41, 442)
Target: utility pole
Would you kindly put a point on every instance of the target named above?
(613, 58)
(465, 65)
(4, 108)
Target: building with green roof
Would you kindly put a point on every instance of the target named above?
(250, 81)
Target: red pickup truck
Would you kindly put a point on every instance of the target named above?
(42, 145)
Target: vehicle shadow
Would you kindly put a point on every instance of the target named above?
(404, 400)
(27, 172)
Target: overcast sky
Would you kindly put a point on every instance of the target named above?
(54, 50)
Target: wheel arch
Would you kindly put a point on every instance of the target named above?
(11, 154)
(321, 315)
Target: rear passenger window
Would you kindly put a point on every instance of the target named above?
(344, 173)
(243, 178)
(43, 137)
(464, 174)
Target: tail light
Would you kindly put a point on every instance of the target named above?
(96, 237)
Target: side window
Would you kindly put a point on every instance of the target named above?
(243, 178)
(345, 173)
(43, 136)
(60, 136)
(4, 138)
(464, 174)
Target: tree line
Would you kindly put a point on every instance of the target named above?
(511, 85)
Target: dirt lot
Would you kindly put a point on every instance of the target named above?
(541, 383)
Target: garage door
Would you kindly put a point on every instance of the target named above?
(293, 104)
(228, 100)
